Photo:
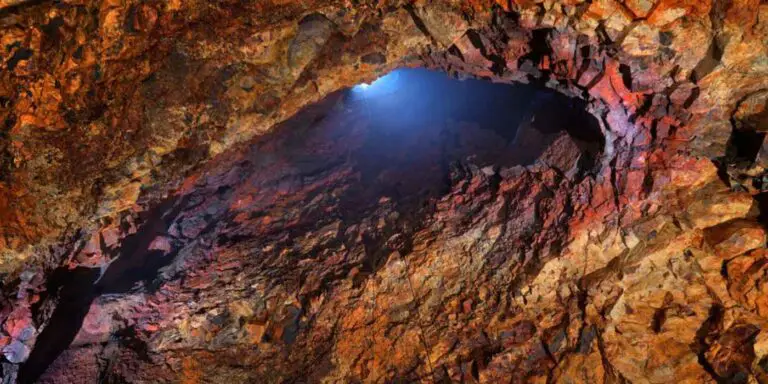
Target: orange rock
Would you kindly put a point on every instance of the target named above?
(646, 266)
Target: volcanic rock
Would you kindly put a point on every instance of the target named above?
(187, 194)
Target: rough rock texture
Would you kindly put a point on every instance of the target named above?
(159, 225)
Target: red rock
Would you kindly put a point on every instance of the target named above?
(646, 267)
(161, 243)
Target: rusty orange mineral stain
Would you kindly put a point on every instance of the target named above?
(191, 371)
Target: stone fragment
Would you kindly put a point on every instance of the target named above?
(16, 352)
(640, 8)
(313, 32)
(443, 23)
(161, 243)
(732, 354)
(734, 238)
(752, 112)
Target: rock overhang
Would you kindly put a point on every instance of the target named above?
(95, 127)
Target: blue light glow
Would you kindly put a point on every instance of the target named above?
(413, 99)
(383, 85)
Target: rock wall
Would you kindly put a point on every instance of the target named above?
(146, 238)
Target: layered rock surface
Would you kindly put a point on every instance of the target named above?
(160, 225)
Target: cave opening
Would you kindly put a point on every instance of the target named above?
(410, 113)
(386, 151)
(406, 132)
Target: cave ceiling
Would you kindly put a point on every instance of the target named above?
(190, 192)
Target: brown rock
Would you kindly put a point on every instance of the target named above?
(176, 198)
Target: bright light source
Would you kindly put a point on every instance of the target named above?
(381, 86)
(361, 87)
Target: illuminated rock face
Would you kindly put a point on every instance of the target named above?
(158, 224)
